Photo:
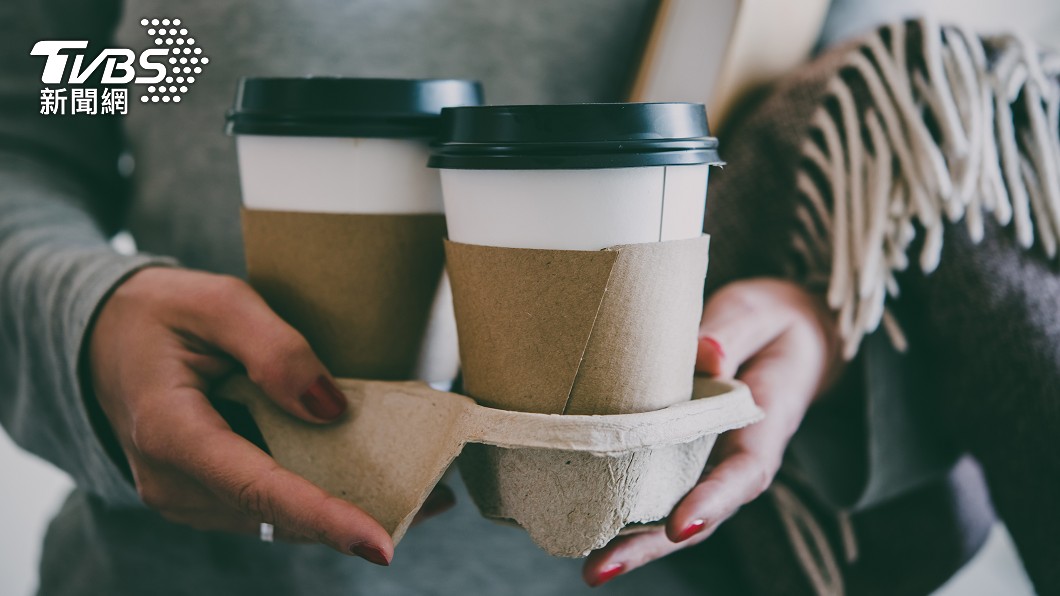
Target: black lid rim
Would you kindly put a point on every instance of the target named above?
(585, 105)
(586, 135)
(419, 127)
(627, 145)
(365, 80)
(346, 106)
(580, 161)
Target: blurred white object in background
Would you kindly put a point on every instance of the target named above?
(996, 569)
(30, 495)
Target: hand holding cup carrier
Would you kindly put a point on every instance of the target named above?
(577, 263)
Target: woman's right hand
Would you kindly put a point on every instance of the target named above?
(160, 341)
(782, 341)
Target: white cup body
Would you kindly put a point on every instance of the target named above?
(365, 176)
(588, 209)
(337, 175)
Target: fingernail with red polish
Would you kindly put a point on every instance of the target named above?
(609, 573)
(714, 344)
(323, 399)
(695, 527)
(369, 553)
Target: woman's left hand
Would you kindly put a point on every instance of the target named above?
(781, 341)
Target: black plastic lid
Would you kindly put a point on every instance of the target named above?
(574, 136)
(346, 107)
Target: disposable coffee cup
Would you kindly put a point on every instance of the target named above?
(605, 336)
(575, 177)
(343, 223)
(599, 316)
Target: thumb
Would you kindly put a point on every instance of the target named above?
(737, 323)
(277, 358)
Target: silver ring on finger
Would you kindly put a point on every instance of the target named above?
(266, 531)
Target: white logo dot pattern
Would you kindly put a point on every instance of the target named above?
(168, 35)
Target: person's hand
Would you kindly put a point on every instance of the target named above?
(781, 341)
(161, 340)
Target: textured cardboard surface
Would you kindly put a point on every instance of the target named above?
(573, 502)
(579, 332)
(358, 287)
(384, 455)
(397, 439)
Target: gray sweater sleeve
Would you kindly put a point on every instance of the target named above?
(60, 194)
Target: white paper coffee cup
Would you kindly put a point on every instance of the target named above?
(344, 147)
(575, 177)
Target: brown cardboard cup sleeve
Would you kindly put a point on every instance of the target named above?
(579, 332)
(358, 287)
(587, 477)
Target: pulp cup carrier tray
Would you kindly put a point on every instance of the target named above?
(599, 473)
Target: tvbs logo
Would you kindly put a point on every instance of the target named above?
(119, 64)
(167, 70)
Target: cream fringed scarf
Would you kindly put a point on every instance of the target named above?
(886, 141)
(922, 123)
